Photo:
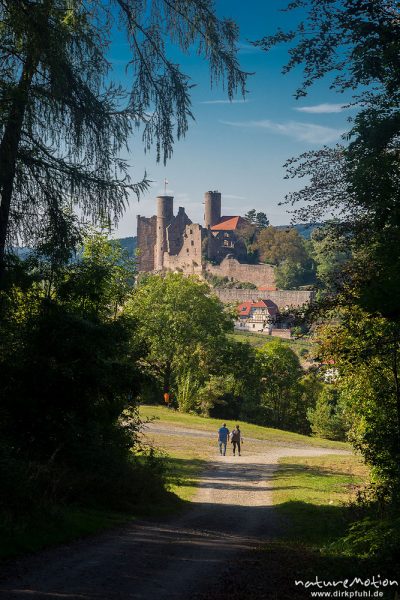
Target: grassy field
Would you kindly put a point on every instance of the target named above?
(299, 346)
(312, 495)
(276, 436)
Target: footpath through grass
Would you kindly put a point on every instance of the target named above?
(313, 499)
(276, 436)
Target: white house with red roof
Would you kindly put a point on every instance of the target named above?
(257, 316)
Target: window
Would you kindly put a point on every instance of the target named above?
(192, 243)
(191, 231)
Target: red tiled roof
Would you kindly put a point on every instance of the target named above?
(244, 309)
(228, 224)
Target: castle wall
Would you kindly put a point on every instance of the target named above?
(176, 230)
(188, 259)
(232, 268)
(282, 298)
(146, 240)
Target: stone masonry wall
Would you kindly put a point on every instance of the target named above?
(232, 268)
(176, 231)
(146, 240)
(281, 298)
(189, 258)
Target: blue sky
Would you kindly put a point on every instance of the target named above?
(239, 148)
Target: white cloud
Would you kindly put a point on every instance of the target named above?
(224, 101)
(302, 132)
(248, 48)
(324, 108)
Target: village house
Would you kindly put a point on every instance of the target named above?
(257, 316)
(261, 316)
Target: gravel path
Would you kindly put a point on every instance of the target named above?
(170, 557)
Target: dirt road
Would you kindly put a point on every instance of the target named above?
(170, 558)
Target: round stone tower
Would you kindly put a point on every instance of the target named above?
(165, 213)
(212, 209)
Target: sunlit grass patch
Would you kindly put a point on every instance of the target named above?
(312, 495)
(268, 434)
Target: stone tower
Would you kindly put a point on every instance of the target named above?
(212, 209)
(165, 213)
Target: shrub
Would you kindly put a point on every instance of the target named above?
(326, 418)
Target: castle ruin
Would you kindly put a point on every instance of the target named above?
(169, 242)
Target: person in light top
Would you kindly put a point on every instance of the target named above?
(223, 435)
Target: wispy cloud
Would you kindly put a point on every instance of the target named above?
(324, 108)
(303, 132)
(224, 101)
(248, 48)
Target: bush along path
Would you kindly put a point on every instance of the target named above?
(169, 557)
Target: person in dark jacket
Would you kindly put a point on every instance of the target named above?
(236, 439)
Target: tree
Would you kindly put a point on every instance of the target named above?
(100, 282)
(326, 418)
(357, 44)
(366, 352)
(290, 275)
(68, 361)
(238, 366)
(250, 216)
(258, 219)
(181, 322)
(64, 123)
(276, 245)
(262, 220)
(247, 234)
(330, 256)
(286, 249)
(281, 393)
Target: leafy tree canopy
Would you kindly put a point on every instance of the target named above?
(64, 122)
(182, 323)
(258, 219)
(277, 245)
(365, 351)
(358, 44)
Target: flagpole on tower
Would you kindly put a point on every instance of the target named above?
(165, 186)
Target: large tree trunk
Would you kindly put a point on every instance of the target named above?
(9, 149)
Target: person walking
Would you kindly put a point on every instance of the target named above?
(236, 439)
(223, 435)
